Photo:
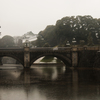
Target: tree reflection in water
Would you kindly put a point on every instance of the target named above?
(49, 83)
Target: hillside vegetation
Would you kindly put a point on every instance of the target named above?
(83, 28)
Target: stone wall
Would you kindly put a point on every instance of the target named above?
(87, 58)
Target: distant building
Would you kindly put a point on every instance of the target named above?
(19, 40)
(29, 37)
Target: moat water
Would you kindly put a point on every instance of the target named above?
(49, 82)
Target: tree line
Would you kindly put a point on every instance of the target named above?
(7, 41)
(84, 29)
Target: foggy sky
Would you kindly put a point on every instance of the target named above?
(18, 17)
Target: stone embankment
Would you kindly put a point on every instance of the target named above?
(89, 59)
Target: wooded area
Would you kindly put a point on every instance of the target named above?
(85, 30)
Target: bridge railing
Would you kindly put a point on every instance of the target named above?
(51, 48)
(38, 49)
(11, 49)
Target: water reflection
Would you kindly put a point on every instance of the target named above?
(48, 72)
(49, 83)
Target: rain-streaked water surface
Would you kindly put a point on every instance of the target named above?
(48, 82)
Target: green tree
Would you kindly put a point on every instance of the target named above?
(7, 41)
(68, 28)
(46, 45)
(47, 36)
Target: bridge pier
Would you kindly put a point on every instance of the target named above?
(74, 57)
(26, 57)
(1, 61)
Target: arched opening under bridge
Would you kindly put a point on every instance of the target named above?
(47, 58)
(10, 61)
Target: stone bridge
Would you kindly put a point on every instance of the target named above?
(27, 56)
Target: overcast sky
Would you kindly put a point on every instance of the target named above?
(18, 17)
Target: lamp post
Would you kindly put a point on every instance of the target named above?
(68, 44)
(27, 44)
(73, 41)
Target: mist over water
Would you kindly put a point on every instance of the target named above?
(48, 82)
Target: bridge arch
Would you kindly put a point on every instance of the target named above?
(12, 56)
(66, 60)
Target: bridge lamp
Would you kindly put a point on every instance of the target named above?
(67, 44)
(27, 43)
(73, 41)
